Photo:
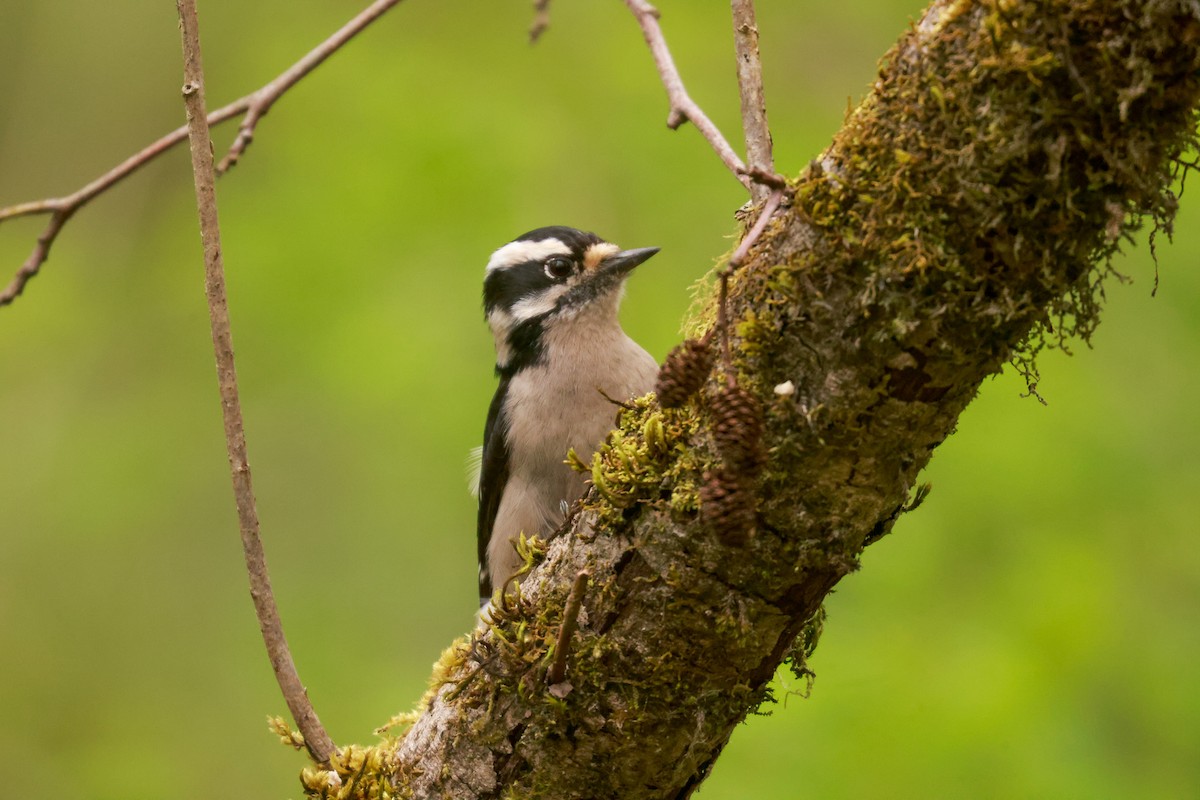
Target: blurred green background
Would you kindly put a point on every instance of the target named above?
(1034, 631)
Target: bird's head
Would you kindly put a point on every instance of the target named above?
(549, 277)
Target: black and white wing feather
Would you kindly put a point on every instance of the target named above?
(493, 476)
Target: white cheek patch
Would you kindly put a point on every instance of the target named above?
(541, 303)
(501, 323)
(520, 252)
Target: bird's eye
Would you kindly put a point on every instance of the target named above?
(558, 267)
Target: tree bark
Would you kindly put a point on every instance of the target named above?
(963, 217)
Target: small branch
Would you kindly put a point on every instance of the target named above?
(683, 108)
(735, 261)
(750, 87)
(723, 325)
(541, 20)
(760, 224)
(767, 177)
(262, 100)
(41, 250)
(254, 106)
(558, 670)
(62, 209)
(315, 738)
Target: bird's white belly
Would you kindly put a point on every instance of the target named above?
(551, 408)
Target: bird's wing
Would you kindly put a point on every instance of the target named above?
(493, 476)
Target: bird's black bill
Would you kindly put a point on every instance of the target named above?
(607, 276)
(621, 263)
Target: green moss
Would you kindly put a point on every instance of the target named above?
(354, 772)
(445, 669)
(978, 190)
(646, 460)
(802, 650)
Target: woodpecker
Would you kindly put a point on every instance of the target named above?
(550, 297)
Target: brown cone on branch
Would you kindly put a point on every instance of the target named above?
(729, 497)
(728, 506)
(684, 372)
(737, 430)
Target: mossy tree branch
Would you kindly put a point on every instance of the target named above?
(962, 217)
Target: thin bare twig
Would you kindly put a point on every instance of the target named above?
(750, 87)
(558, 670)
(62, 209)
(541, 20)
(735, 261)
(767, 177)
(319, 745)
(760, 224)
(723, 325)
(683, 108)
(262, 100)
(253, 106)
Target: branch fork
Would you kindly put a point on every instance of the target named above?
(253, 107)
(758, 176)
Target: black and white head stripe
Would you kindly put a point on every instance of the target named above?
(548, 272)
(552, 268)
(533, 263)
